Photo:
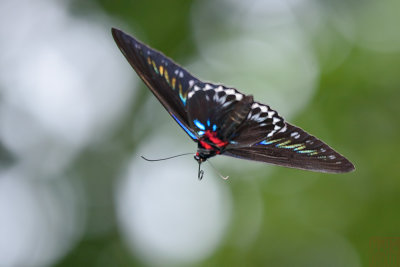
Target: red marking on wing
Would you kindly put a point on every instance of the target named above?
(205, 145)
(211, 136)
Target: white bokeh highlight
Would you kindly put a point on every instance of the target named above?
(61, 76)
(166, 215)
(38, 222)
(260, 49)
(63, 86)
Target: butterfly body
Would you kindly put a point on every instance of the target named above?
(213, 142)
(223, 120)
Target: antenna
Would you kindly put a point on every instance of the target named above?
(200, 173)
(184, 154)
(215, 169)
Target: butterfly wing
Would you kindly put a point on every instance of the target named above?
(284, 144)
(261, 122)
(169, 82)
(210, 108)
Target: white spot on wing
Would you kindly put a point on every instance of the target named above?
(257, 118)
(222, 100)
(191, 83)
(207, 87)
(230, 91)
(270, 114)
(227, 103)
(283, 129)
(238, 96)
(295, 135)
(219, 89)
(275, 120)
(264, 109)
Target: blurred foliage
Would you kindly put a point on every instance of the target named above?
(356, 108)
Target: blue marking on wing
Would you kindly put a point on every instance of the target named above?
(199, 124)
(184, 128)
(208, 122)
(183, 99)
(214, 128)
(265, 142)
(201, 132)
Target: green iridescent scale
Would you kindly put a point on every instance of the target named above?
(298, 148)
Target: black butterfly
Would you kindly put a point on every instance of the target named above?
(224, 121)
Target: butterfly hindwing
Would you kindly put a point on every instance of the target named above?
(293, 147)
(261, 122)
(169, 82)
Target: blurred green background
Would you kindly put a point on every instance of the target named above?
(74, 119)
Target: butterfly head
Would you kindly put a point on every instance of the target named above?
(197, 158)
(203, 154)
(200, 157)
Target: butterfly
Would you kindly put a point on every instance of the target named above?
(224, 121)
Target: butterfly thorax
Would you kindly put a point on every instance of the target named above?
(210, 145)
(214, 142)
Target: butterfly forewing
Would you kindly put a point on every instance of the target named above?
(293, 147)
(169, 82)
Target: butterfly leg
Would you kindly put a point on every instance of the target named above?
(200, 173)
